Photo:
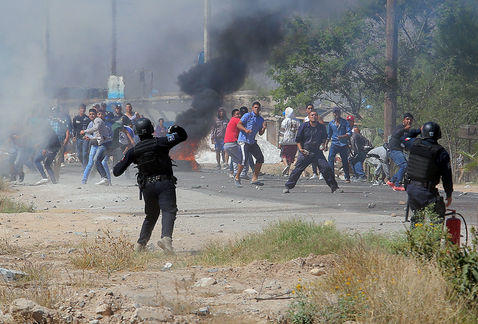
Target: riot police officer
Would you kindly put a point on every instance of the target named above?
(428, 162)
(155, 179)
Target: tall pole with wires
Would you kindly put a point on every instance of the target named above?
(207, 9)
(391, 62)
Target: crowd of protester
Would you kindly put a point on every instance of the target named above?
(303, 143)
(97, 135)
(100, 135)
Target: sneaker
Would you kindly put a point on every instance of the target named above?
(237, 183)
(103, 182)
(321, 177)
(390, 184)
(166, 243)
(42, 181)
(83, 181)
(218, 167)
(376, 183)
(313, 177)
(399, 188)
(231, 175)
(347, 180)
(286, 170)
(286, 190)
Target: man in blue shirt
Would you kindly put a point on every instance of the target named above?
(310, 139)
(251, 124)
(339, 132)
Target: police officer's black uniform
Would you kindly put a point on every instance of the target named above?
(155, 176)
(428, 162)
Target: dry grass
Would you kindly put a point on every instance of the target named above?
(7, 248)
(37, 272)
(110, 253)
(278, 242)
(10, 206)
(83, 280)
(178, 305)
(37, 285)
(42, 294)
(371, 286)
(4, 185)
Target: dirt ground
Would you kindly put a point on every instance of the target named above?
(69, 214)
(45, 243)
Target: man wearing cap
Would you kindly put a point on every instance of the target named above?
(396, 149)
(351, 121)
(339, 132)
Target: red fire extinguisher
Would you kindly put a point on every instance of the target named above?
(453, 225)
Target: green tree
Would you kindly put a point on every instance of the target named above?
(336, 61)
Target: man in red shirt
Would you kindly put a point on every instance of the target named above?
(231, 147)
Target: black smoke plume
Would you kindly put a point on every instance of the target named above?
(245, 42)
(253, 29)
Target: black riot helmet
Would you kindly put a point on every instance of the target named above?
(431, 130)
(143, 126)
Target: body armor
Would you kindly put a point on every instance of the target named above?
(151, 159)
(421, 164)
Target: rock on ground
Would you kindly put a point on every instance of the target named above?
(24, 310)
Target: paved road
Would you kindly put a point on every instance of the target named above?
(210, 207)
(316, 196)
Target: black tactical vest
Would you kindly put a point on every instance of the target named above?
(152, 159)
(422, 162)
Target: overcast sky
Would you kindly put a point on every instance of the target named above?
(159, 35)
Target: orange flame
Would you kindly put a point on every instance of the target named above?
(186, 152)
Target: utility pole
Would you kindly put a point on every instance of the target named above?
(391, 62)
(113, 37)
(207, 10)
(47, 49)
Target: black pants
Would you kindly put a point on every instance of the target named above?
(303, 162)
(420, 197)
(158, 196)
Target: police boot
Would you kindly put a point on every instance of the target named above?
(140, 247)
(166, 243)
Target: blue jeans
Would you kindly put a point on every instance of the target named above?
(47, 160)
(96, 157)
(358, 169)
(399, 158)
(82, 151)
(344, 155)
(357, 164)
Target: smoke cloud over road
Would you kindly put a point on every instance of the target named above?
(242, 39)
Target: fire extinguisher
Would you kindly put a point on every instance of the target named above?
(453, 225)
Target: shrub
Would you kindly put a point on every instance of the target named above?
(109, 253)
(282, 241)
(9, 206)
(370, 285)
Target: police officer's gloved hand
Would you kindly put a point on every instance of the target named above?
(177, 129)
